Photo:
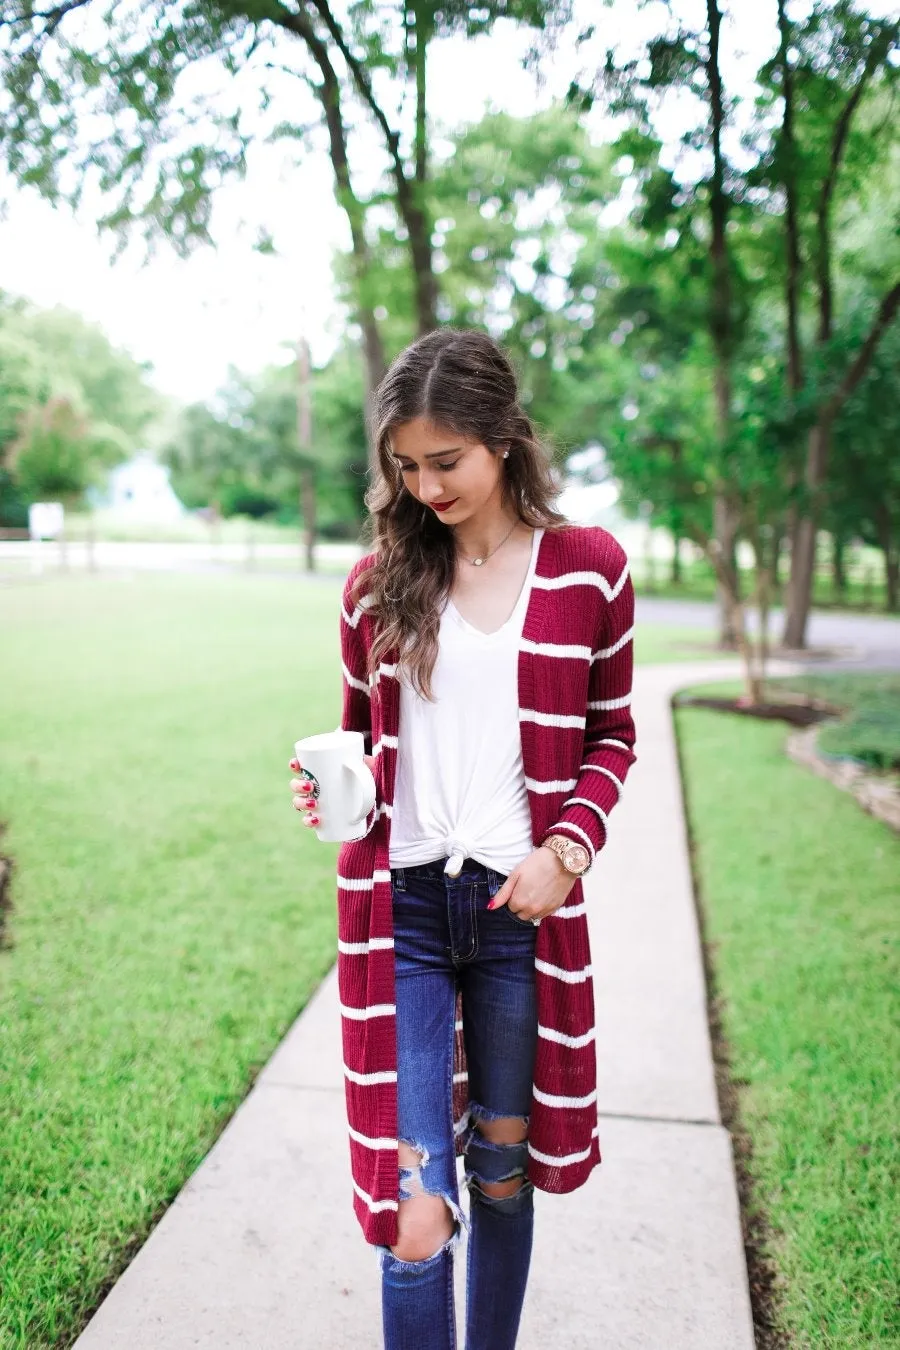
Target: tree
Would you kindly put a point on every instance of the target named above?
(864, 486)
(114, 387)
(59, 453)
(831, 71)
(518, 215)
(71, 405)
(21, 388)
(680, 58)
(22, 381)
(243, 453)
(116, 106)
(825, 150)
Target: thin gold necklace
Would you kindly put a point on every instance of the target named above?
(477, 562)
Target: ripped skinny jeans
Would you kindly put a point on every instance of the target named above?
(445, 939)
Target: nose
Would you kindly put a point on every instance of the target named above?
(433, 492)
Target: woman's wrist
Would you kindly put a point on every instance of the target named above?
(574, 858)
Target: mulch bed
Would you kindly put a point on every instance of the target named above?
(800, 714)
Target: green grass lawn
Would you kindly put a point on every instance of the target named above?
(662, 643)
(799, 888)
(170, 914)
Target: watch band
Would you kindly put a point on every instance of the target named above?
(561, 844)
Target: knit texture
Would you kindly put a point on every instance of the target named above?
(574, 682)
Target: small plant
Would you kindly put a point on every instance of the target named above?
(870, 733)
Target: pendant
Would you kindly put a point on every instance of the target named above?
(476, 562)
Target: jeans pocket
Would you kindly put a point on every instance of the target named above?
(523, 923)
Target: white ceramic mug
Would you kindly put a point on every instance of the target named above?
(333, 763)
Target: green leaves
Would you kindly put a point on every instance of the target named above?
(242, 453)
(71, 405)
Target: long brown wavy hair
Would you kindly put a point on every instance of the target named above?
(459, 380)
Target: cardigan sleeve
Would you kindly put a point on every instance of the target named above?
(356, 711)
(356, 699)
(609, 734)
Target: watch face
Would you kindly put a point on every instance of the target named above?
(577, 858)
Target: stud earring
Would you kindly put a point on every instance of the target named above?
(506, 454)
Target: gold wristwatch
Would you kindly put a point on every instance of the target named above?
(574, 857)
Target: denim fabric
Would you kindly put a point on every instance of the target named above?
(446, 939)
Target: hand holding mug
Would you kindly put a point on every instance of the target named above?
(334, 785)
(302, 790)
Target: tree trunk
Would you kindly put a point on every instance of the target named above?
(408, 194)
(677, 576)
(788, 164)
(721, 330)
(329, 95)
(308, 507)
(777, 551)
(800, 585)
(736, 620)
(803, 554)
(793, 267)
(307, 500)
(727, 587)
(890, 546)
(417, 216)
(838, 571)
(763, 573)
(892, 575)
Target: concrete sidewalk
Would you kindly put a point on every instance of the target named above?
(261, 1250)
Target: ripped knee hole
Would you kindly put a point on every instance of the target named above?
(503, 1130)
(499, 1190)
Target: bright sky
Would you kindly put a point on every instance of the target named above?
(229, 305)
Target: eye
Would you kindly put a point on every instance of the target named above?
(408, 468)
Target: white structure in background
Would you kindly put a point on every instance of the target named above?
(140, 490)
(589, 495)
(46, 520)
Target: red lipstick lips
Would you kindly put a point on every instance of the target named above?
(444, 506)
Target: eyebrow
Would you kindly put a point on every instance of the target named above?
(435, 454)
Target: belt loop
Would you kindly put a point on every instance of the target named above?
(398, 878)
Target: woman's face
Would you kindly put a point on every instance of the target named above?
(440, 466)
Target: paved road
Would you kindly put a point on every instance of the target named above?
(870, 641)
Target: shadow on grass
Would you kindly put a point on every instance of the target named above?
(6, 867)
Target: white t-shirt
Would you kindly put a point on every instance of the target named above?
(460, 785)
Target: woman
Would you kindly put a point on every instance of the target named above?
(487, 659)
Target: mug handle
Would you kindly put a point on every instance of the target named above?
(366, 784)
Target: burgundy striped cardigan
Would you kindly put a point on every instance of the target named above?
(574, 688)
